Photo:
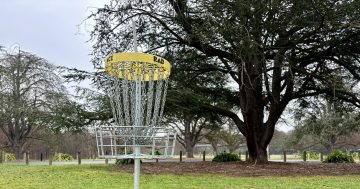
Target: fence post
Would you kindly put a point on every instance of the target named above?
(268, 155)
(285, 156)
(50, 157)
(240, 156)
(304, 155)
(180, 156)
(321, 157)
(27, 157)
(1, 156)
(106, 161)
(246, 156)
(204, 155)
(79, 157)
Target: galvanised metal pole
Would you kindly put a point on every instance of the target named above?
(137, 169)
(137, 118)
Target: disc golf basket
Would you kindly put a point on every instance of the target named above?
(136, 85)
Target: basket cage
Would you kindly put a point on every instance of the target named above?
(117, 142)
(137, 93)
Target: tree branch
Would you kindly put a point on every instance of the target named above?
(240, 124)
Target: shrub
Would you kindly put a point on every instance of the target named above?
(355, 154)
(125, 161)
(314, 155)
(10, 157)
(339, 157)
(311, 155)
(127, 152)
(226, 157)
(156, 153)
(62, 157)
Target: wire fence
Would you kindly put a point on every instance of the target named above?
(305, 156)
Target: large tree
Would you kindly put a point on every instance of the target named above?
(190, 91)
(31, 95)
(275, 51)
(325, 125)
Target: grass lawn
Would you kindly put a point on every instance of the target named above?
(101, 176)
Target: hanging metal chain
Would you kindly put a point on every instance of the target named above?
(125, 94)
(159, 88)
(150, 97)
(137, 101)
(166, 82)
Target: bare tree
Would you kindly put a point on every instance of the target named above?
(231, 137)
(30, 89)
(225, 136)
(192, 129)
(325, 125)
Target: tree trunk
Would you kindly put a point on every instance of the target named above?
(188, 139)
(257, 152)
(262, 155)
(328, 148)
(333, 140)
(258, 134)
(215, 149)
(189, 146)
(258, 137)
(189, 151)
(16, 149)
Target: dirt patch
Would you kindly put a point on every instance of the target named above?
(245, 169)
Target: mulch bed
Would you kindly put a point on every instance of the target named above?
(244, 169)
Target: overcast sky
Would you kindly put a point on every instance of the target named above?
(49, 28)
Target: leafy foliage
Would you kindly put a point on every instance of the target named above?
(311, 155)
(62, 157)
(226, 157)
(10, 157)
(68, 115)
(156, 153)
(338, 156)
(227, 135)
(191, 91)
(126, 161)
(355, 154)
(324, 124)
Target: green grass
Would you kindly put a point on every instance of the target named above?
(100, 176)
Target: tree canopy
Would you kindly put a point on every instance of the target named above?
(274, 51)
(325, 124)
(32, 97)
